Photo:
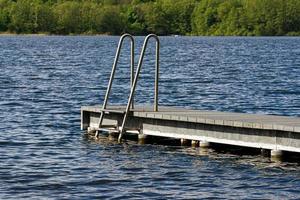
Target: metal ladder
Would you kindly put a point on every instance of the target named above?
(134, 80)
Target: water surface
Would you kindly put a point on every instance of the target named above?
(45, 80)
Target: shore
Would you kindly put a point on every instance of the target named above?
(106, 34)
(49, 34)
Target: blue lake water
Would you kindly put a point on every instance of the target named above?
(45, 80)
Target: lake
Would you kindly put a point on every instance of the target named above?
(44, 81)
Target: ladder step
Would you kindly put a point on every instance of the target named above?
(114, 129)
(110, 130)
(134, 131)
(105, 127)
(107, 111)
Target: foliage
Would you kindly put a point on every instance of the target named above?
(163, 17)
(4, 15)
(246, 17)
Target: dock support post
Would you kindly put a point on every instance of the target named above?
(265, 152)
(195, 143)
(91, 130)
(112, 136)
(204, 144)
(184, 142)
(276, 155)
(142, 138)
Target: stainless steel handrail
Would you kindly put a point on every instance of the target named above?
(113, 74)
(136, 79)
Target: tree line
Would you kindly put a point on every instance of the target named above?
(163, 17)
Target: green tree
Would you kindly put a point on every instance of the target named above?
(169, 17)
(205, 17)
(89, 11)
(163, 17)
(155, 19)
(67, 17)
(135, 19)
(24, 16)
(46, 21)
(291, 23)
(4, 14)
(110, 20)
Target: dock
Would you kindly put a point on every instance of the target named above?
(275, 134)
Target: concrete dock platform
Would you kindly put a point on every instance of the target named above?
(276, 133)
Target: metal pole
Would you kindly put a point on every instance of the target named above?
(136, 79)
(132, 69)
(113, 74)
(156, 75)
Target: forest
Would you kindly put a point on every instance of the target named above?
(163, 17)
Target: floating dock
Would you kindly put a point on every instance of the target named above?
(276, 133)
(266, 132)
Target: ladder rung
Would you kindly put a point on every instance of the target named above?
(134, 131)
(110, 130)
(106, 127)
(107, 111)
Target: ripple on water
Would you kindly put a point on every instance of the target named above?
(45, 80)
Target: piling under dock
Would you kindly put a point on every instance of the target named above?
(276, 133)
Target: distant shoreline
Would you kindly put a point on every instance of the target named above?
(25, 34)
(98, 34)
(48, 34)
